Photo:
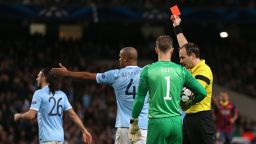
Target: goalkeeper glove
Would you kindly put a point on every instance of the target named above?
(134, 130)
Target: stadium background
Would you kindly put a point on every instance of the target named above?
(87, 35)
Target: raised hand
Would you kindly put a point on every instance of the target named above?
(175, 20)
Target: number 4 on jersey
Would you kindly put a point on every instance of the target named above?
(133, 93)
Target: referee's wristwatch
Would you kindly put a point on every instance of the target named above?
(133, 120)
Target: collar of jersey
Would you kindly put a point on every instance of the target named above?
(130, 66)
(45, 87)
(164, 61)
(202, 62)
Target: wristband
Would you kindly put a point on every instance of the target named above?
(133, 120)
(177, 29)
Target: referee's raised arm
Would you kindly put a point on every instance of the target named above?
(178, 30)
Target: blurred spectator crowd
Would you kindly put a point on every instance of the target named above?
(140, 3)
(233, 63)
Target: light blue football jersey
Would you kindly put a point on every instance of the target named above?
(125, 82)
(50, 111)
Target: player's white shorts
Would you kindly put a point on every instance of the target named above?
(122, 136)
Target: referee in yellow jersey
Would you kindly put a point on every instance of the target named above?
(198, 124)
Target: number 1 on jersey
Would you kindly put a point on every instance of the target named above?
(167, 97)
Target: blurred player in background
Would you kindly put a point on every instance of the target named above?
(225, 117)
(49, 103)
(164, 81)
(125, 83)
(198, 124)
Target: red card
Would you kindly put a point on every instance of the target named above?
(175, 10)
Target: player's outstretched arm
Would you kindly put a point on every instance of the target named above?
(63, 71)
(29, 115)
(87, 137)
(178, 30)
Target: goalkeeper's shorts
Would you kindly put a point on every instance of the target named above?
(165, 130)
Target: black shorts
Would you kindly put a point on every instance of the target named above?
(199, 128)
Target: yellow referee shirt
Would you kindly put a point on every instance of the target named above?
(203, 74)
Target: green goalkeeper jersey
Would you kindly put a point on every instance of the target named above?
(164, 81)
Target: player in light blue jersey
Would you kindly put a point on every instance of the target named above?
(49, 103)
(125, 83)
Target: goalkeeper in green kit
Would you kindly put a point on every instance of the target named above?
(164, 81)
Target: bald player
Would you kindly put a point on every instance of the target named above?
(125, 82)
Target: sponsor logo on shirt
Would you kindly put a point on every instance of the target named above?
(33, 102)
